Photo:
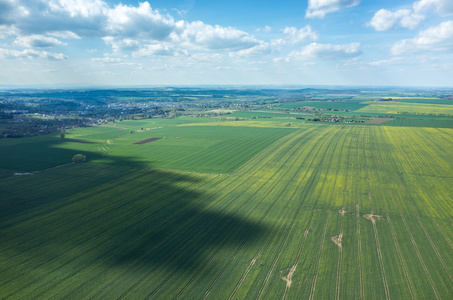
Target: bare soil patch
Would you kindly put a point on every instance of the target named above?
(337, 239)
(147, 141)
(342, 212)
(372, 217)
(288, 278)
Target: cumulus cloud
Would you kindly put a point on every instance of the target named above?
(295, 36)
(265, 29)
(37, 41)
(30, 53)
(141, 21)
(385, 19)
(437, 38)
(319, 8)
(260, 49)
(326, 51)
(119, 45)
(201, 35)
(106, 60)
(124, 27)
(441, 7)
(159, 50)
(65, 35)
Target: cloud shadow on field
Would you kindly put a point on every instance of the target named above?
(121, 214)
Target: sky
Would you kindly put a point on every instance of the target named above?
(235, 42)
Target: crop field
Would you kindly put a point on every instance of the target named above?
(420, 123)
(230, 210)
(411, 108)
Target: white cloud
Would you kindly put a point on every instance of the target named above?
(6, 31)
(319, 8)
(260, 49)
(107, 60)
(38, 41)
(410, 18)
(265, 29)
(441, 7)
(65, 35)
(384, 62)
(30, 53)
(295, 36)
(158, 50)
(438, 38)
(78, 8)
(141, 21)
(326, 51)
(119, 45)
(385, 19)
(201, 35)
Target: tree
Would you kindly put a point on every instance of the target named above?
(78, 158)
(62, 135)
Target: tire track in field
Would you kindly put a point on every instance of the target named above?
(433, 286)
(392, 231)
(294, 218)
(359, 242)
(443, 234)
(371, 217)
(309, 184)
(293, 269)
(378, 248)
(426, 233)
(312, 213)
(318, 262)
(435, 248)
(239, 284)
(76, 257)
(237, 180)
(342, 212)
(359, 245)
(253, 261)
(400, 257)
(407, 227)
(275, 184)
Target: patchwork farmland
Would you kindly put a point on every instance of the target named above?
(229, 210)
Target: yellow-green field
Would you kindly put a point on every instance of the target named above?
(410, 108)
(319, 212)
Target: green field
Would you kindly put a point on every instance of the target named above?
(229, 210)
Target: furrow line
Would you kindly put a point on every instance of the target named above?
(238, 285)
(275, 184)
(400, 257)
(315, 277)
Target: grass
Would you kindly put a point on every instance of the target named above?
(128, 224)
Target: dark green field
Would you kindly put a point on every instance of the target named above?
(217, 211)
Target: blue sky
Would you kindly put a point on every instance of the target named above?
(200, 42)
